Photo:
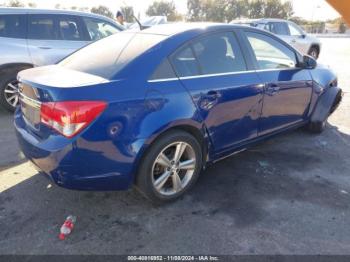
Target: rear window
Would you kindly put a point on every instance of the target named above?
(12, 26)
(106, 57)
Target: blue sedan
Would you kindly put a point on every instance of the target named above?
(153, 108)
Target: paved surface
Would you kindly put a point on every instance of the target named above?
(290, 195)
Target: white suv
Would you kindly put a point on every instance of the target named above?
(289, 32)
(35, 37)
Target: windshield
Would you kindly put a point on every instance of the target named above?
(108, 56)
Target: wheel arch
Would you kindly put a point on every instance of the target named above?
(7, 68)
(315, 45)
(198, 131)
(326, 104)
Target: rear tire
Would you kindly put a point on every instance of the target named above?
(170, 167)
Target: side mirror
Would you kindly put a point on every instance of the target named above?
(303, 36)
(308, 62)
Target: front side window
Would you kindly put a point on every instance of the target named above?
(70, 28)
(99, 29)
(42, 27)
(12, 26)
(269, 53)
(278, 28)
(294, 30)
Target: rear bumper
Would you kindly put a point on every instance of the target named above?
(81, 164)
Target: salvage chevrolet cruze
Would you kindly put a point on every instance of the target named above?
(153, 108)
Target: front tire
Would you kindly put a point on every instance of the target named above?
(170, 167)
(314, 52)
(9, 93)
(317, 127)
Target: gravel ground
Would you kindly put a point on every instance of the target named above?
(290, 195)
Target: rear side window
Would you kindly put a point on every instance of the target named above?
(106, 57)
(99, 29)
(12, 26)
(219, 53)
(42, 27)
(213, 54)
(70, 28)
(163, 71)
(185, 63)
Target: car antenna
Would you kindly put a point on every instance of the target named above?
(138, 22)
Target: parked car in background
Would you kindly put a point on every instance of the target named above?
(159, 105)
(35, 37)
(147, 23)
(289, 32)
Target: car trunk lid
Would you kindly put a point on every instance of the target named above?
(43, 85)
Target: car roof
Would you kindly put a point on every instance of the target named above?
(178, 28)
(21, 10)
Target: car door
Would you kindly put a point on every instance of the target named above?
(299, 40)
(227, 95)
(13, 42)
(288, 89)
(52, 37)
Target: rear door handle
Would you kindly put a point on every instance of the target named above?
(272, 89)
(44, 47)
(212, 95)
(209, 100)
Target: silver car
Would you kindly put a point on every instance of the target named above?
(35, 37)
(289, 32)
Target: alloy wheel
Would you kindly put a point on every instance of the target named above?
(173, 168)
(12, 93)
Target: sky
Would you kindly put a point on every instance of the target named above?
(308, 9)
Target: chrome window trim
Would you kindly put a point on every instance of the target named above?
(220, 74)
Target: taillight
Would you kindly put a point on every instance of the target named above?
(70, 117)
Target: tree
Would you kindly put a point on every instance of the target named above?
(228, 10)
(195, 10)
(128, 12)
(102, 10)
(164, 8)
(236, 9)
(84, 9)
(277, 9)
(14, 3)
(32, 5)
(215, 10)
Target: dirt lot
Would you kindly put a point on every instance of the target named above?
(290, 195)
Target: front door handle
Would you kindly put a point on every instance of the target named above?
(44, 47)
(272, 89)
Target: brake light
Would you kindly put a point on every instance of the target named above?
(70, 117)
